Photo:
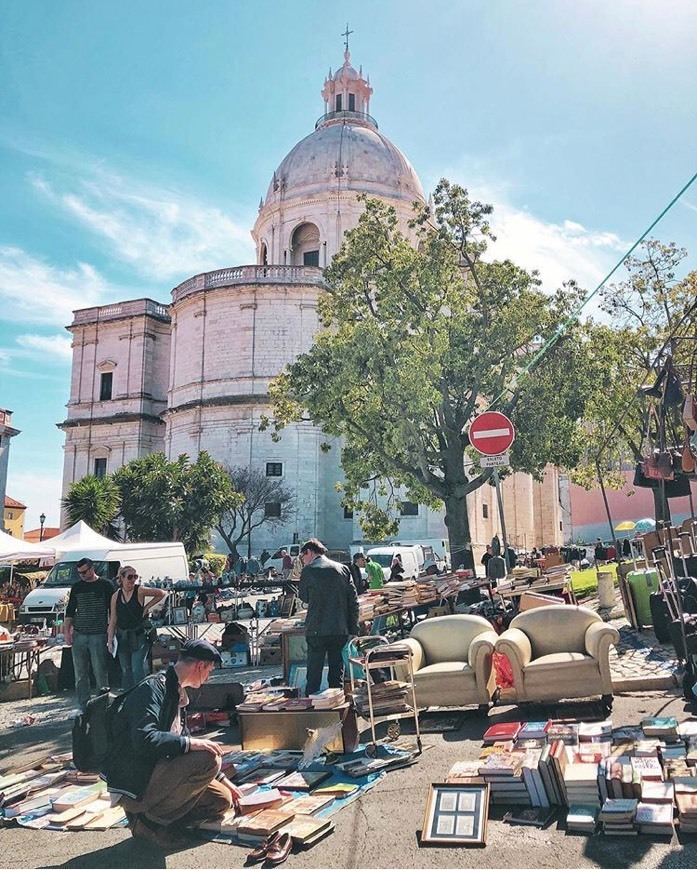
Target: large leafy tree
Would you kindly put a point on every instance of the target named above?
(95, 501)
(248, 510)
(418, 340)
(173, 501)
(653, 313)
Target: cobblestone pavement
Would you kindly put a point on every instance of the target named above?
(639, 662)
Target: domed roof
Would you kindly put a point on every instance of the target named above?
(348, 152)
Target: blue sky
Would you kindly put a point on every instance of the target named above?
(137, 138)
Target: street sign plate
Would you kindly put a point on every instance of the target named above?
(491, 433)
(495, 461)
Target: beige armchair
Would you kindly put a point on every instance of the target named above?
(560, 651)
(452, 661)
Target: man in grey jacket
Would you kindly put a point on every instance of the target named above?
(332, 613)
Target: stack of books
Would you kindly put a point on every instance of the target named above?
(254, 702)
(657, 792)
(617, 816)
(655, 819)
(502, 731)
(665, 727)
(504, 773)
(583, 820)
(388, 697)
(297, 704)
(581, 784)
(533, 731)
(687, 812)
(329, 699)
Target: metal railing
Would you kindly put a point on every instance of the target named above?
(347, 115)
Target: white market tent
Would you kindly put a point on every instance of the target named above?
(80, 537)
(14, 549)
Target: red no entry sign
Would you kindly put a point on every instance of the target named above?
(491, 433)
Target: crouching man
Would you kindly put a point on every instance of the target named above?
(166, 779)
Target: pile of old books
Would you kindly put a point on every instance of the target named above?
(388, 697)
(400, 594)
(329, 699)
(631, 778)
(254, 702)
(53, 796)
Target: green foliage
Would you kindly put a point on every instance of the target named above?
(653, 315)
(95, 501)
(216, 562)
(417, 341)
(173, 501)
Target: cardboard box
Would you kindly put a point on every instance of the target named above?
(235, 659)
(16, 691)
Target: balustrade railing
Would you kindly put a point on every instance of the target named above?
(248, 275)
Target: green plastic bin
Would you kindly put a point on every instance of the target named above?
(642, 584)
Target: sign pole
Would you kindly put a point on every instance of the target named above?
(502, 520)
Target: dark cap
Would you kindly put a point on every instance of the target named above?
(200, 649)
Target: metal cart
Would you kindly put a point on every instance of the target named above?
(373, 652)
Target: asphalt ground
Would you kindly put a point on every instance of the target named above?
(381, 828)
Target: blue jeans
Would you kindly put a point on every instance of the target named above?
(89, 649)
(132, 661)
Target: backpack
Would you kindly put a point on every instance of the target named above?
(92, 730)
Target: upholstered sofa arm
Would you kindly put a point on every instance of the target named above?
(482, 646)
(417, 661)
(599, 636)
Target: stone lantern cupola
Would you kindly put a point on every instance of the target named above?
(347, 91)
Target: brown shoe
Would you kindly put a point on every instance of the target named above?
(261, 851)
(279, 850)
(159, 836)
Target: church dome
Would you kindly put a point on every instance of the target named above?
(346, 152)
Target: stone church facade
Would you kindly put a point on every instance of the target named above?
(193, 374)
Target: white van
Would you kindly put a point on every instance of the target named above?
(276, 560)
(436, 551)
(409, 557)
(151, 561)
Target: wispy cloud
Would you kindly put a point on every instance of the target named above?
(34, 291)
(164, 234)
(56, 346)
(559, 251)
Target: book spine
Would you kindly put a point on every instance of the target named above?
(529, 781)
(547, 778)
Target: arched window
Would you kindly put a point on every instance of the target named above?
(338, 102)
(263, 255)
(305, 246)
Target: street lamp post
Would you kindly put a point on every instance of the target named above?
(42, 520)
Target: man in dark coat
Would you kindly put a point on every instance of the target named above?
(166, 779)
(332, 613)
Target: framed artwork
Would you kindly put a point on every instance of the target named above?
(298, 678)
(456, 814)
(180, 615)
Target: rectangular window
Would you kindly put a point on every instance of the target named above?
(485, 511)
(100, 467)
(311, 258)
(105, 386)
(352, 102)
(272, 509)
(338, 102)
(274, 469)
(409, 509)
(348, 513)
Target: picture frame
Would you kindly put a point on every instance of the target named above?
(180, 616)
(456, 814)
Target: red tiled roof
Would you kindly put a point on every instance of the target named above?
(34, 535)
(13, 503)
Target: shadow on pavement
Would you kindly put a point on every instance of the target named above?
(126, 854)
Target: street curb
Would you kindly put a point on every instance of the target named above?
(645, 684)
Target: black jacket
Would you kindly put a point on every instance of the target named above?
(332, 605)
(142, 736)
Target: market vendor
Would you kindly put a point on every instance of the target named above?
(166, 779)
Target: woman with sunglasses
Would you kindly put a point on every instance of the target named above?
(129, 608)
